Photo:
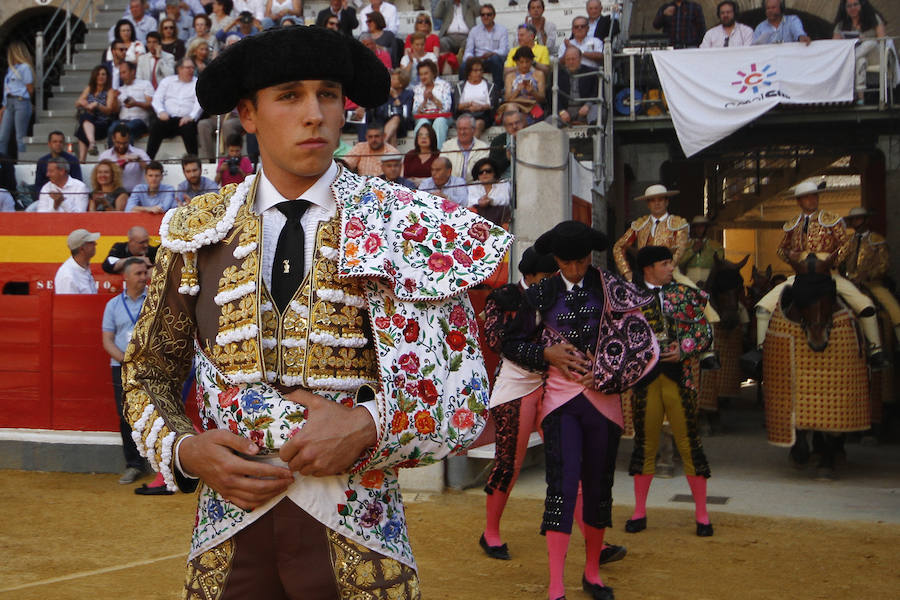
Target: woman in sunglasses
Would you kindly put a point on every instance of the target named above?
(489, 197)
(171, 43)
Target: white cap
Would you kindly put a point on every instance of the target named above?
(79, 237)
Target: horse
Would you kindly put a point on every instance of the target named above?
(815, 376)
(725, 287)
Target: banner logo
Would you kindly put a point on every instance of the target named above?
(754, 79)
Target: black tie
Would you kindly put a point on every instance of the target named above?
(287, 269)
(726, 41)
(805, 225)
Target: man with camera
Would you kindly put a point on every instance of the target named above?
(135, 98)
(233, 168)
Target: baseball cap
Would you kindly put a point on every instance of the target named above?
(79, 237)
(245, 17)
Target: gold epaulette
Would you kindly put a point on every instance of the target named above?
(827, 219)
(676, 223)
(203, 221)
(640, 222)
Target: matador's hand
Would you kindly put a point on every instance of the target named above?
(568, 359)
(331, 440)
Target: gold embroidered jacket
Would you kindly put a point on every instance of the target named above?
(673, 234)
(825, 234)
(866, 257)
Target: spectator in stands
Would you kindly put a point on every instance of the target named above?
(414, 55)
(107, 193)
(177, 109)
(396, 113)
(155, 65)
(243, 27)
(858, 19)
(489, 196)
(124, 33)
(463, 150)
(221, 17)
(546, 30)
(206, 133)
(576, 96)
(55, 141)
(138, 246)
(276, 10)
(184, 24)
(591, 47)
(257, 8)
(442, 183)
(387, 10)
(233, 167)
(477, 96)
(423, 25)
(682, 21)
(376, 27)
(345, 15)
(152, 196)
(432, 101)
(74, 276)
(18, 89)
(458, 18)
(7, 202)
(417, 162)
(391, 167)
(365, 157)
(332, 23)
(489, 42)
(383, 55)
(526, 35)
(779, 28)
(195, 183)
(198, 53)
(97, 106)
(599, 25)
(525, 86)
(117, 51)
(62, 192)
(169, 40)
(135, 97)
(203, 31)
(513, 121)
(119, 318)
(131, 160)
(137, 15)
(728, 32)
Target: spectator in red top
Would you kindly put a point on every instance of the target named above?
(369, 42)
(233, 168)
(417, 162)
(683, 22)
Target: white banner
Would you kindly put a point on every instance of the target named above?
(713, 92)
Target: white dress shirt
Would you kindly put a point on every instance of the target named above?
(72, 278)
(458, 24)
(740, 35)
(654, 222)
(75, 197)
(177, 98)
(588, 44)
(140, 90)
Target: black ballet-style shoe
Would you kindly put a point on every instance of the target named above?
(597, 591)
(704, 529)
(612, 553)
(498, 552)
(636, 525)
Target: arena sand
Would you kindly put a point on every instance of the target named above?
(72, 536)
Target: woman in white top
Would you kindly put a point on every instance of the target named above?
(475, 95)
(221, 16)
(415, 54)
(489, 197)
(857, 19)
(278, 9)
(124, 34)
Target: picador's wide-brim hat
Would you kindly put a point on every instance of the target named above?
(805, 188)
(534, 262)
(859, 211)
(648, 255)
(292, 54)
(571, 240)
(701, 220)
(656, 191)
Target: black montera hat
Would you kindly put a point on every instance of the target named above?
(292, 54)
(534, 262)
(571, 240)
(648, 255)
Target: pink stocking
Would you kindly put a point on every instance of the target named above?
(593, 545)
(557, 546)
(495, 502)
(698, 490)
(158, 482)
(641, 490)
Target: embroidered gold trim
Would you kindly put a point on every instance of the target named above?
(208, 573)
(362, 574)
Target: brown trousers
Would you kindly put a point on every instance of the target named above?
(288, 555)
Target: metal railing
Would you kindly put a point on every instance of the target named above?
(61, 23)
(887, 71)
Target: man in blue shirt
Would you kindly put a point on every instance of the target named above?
(779, 28)
(194, 182)
(153, 196)
(443, 184)
(489, 42)
(55, 141)
(119, 318)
